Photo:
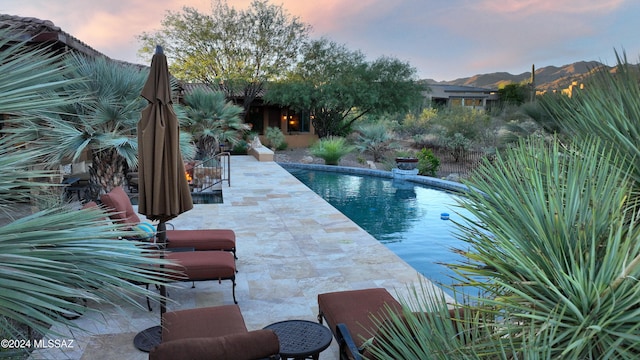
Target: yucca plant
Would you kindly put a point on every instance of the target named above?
(331, 149)
(557, 236)
(554, 236)
(211, 120)
(55, 256)
(607, 108)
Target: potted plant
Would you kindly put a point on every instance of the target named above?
(406, 160)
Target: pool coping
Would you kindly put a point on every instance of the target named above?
(420, 179)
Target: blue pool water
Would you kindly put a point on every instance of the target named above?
(403, 215)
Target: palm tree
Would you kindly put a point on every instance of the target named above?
(55, 256)
(105, 123)
(212, 120)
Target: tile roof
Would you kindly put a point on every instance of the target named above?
(41, 31)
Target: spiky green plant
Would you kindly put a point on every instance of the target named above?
(103, 124)
(275, 138)
(211, 120)
(331, 149)
(374, 139)
(607, 108)
(555, 237)
(56, 255)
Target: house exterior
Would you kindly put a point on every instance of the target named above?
(45, 33)
(296, 126)
(466, 96)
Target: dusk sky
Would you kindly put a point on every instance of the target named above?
(442, 39)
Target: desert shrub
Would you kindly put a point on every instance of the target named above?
(374, 139)
(240, 147)
(331, 149)
(275, 138)
(428, 163)
(421, 124)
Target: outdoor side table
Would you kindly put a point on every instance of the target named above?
(301, 339)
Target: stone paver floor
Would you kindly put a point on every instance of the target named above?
(292, 245)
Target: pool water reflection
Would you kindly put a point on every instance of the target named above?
(404, 216)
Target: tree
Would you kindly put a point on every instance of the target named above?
(58, 256)
(339, 86)
(234, 51)
(212, 120)
(514, 94)
(104, 123)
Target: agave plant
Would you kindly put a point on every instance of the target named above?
(55, 256)
(212, 120)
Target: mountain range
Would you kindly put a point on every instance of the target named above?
(546, 78)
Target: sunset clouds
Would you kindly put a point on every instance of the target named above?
(444, 40)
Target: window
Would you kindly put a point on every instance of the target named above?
(296, 122)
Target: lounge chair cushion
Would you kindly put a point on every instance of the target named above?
(204, 265)
(201, 240)
(252, 345)
(209, 321)
(208, 239)
(119, 201)
(354, 308)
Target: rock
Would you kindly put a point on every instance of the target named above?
(453, 177)
(256, 143)
(371, 164)
(307, 160)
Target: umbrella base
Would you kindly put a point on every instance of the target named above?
(147, 339)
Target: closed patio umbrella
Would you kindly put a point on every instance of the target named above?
(163, 189)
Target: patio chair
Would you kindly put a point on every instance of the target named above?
(212, 333)
(198, 265)
(200, 240)
(350, 316)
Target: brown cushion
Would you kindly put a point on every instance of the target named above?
(208, 239)
(354, 308)
(118, 201)
(253, 345)
(90, 205)
(203, 265)
(202, 322)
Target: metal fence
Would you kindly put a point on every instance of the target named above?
(466, 162)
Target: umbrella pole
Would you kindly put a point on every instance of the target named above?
(151, 337)
(162, 241)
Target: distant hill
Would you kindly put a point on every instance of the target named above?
(547, 78)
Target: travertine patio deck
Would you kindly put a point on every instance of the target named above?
(292, 245)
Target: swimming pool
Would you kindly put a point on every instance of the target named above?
(403, 215)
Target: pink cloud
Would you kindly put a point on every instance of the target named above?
(528, 7)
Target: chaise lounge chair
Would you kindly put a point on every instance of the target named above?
(213, 333)
(350, 316)
(198, 265)
(200, 240)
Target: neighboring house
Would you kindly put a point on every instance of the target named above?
(457, 95)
